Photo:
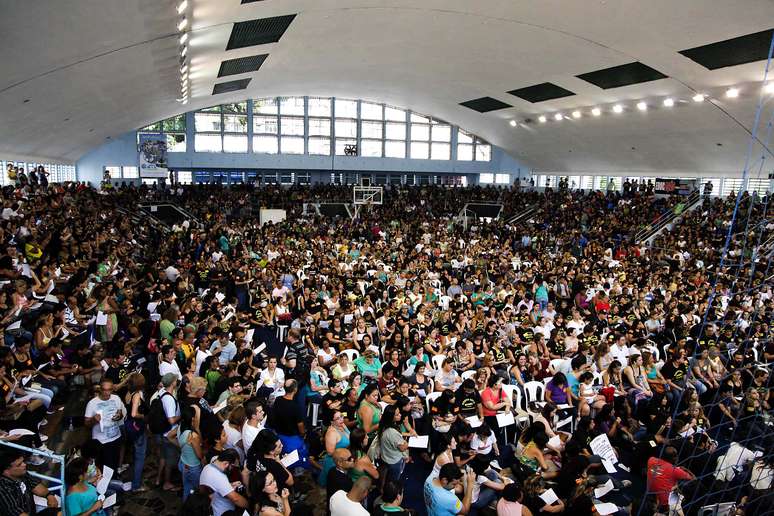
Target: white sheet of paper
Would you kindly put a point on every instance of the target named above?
(220, 297)
(421, 441)
(601, 446)
(474, 421)
(549, 497)
(555, 442)
(505, 419)
(101, 319)
(152, 306)
(421, 393)
(602, 490)
(41, 366)
(13, 326)
(249, 335)
(220, 406)
(563, 422)
(606, 508)
(290, 458)
(65, 333)
(101, 421)
(51, 299)
(107, 475)
(259, 348)
(155, 317)
(104, 365)
(110, 501)
(563, 406)
(609, 466)
(624, 467)
(43, 503)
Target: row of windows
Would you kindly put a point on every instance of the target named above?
(720, 186)
(57, 173)
(321, 126)
(486, 178)
(287, 177)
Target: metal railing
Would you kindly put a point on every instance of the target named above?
(523, 215)
(54, 484)
(667, 217)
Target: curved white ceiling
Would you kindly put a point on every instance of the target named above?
(73, 76)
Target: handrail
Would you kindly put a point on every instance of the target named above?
(530, 210)
(666, 217)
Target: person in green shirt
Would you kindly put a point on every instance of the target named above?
(392, 496)
(368, 365)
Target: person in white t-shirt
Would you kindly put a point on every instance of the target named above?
(351, 504)
(256, 420)
(214, 475)
(105, 414)
(168, 363)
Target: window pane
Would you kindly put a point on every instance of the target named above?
(463, 137)
(441, 151)
(131, 172)
(419, 118)
(502, 179)
(346, 108)
(441, 133)
(174, 124)
(397, 115)
(234, 143)
(371, 148)
(265, 124)
(420, 132)
(114, 171)
(207, 122)
(483, 152)
(265, 144)
(320, 146)
(265, 106)
(465, 152)
(420, 150)
(486, 178)
(341, 143)
(292, 145)
(393, 149)
(292, 126)
(370, 111)
(292, 106)
(208, 143)
(184, 178)
(319, 126)
(346, 128)
(396, 131)
(176, 142)
(319, 107)
(371, 130)
(238, 108)
(235, 123)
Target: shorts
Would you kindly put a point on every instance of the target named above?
(167, 449)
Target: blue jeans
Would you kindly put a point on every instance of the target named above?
(485, 495)
(699, 386)
(394, 471)
(191, 476)
(140, 448)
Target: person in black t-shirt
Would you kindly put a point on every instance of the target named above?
(332, 401)
(468, 400)
(287, 419)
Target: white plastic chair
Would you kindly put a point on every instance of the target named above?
(597, 379)
(470, 373)
(352, 354)
(437, 361)
(560, 365)
(534, 392)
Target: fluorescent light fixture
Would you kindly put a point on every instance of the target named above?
(618, 108)
(184, 69)
(669, 102)
(513, 123)
(699, 97)
(596, 111)
(558, 117)
(576, 114)
(183, 38)
(183, 24)
(185, 100)
(769, 88)
(732, 93)
(642, 106)
(182, 7)
(542, 119)
(184, 51)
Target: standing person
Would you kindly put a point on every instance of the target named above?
(135, 426)
(191, 453)
(215, 476)
(289, 424)
(440, 499)
(170, 416)
(105, 414)
(350, 503)
(338, 478)
(393, 445)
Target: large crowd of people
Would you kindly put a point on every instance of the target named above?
(403, 360)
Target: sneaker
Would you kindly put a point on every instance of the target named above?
(44, 422)
(123, 468)
(43, 438)
(45, 448)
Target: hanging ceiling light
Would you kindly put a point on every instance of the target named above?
(183, 38)
(542, 119)
(596, 111)
(576, 114)
(732, 93)
(618, 108)
(669, 102)
(642, 106)
(513, 123)
(699, 97)
(182, 25)
(558, 117)
(182, 7)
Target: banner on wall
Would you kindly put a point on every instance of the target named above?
(153, 155)
(675, 186)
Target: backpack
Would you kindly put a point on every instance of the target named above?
(158, 423)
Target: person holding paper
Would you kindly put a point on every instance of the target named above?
(105, 415)
(440, 499)
(82, 498)
(394, 448)
(18, 488)
(215, 476)
(494, 400)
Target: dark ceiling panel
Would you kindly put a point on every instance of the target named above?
(623, 75)
(250, 1)
(259, 32)
(541, 92)
(227, 87)
(732, 52)
(485, 104)
(241, 65)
